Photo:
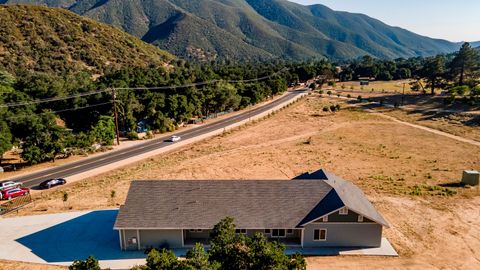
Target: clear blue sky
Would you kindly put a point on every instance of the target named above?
(455, 20)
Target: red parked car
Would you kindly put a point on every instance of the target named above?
(13, 193)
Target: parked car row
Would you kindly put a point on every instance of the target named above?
(11, 189)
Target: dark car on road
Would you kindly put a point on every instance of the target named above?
(13, 193)
(52, 183)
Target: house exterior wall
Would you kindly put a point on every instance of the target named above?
(344, 235)
(158, 238)
(351, 217)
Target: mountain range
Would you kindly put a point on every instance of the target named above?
(253, 29)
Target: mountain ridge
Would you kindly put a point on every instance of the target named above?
(254, 29)
(58, 41)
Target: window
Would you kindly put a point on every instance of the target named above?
(238, 231)
(278, 233)
(290, 231)
(268, 231)
(360, 218)
(343, 211)
(325, 219)
(320, 235)
(195, 230)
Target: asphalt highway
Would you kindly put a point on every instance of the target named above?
(84, 165)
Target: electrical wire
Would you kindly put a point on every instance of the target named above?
(47, 100)
(60, 111)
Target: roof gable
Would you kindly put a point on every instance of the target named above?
(354, 198)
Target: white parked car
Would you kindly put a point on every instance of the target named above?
(9, 185)
(175, 138)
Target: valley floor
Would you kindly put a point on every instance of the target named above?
(411, 176)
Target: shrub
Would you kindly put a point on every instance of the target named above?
(132, 135)
(329, 93)
(359, 98)
(349, 96)
(337, 107)
(460, 90)
(333, 108)
(326, 109)
(89, 264)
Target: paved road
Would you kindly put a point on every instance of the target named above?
(33, 179)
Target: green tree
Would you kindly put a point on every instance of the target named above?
(199, 258)
(465, 62)
(104, 131)
(44, 140)
(433, 71)
(89, 264)
(5, 139)
(162, 260)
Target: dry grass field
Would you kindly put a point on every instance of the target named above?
(411, 175)
(377, 86)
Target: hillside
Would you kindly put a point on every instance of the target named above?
(59, 41)
(254, 29)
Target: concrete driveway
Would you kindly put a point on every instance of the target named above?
(63, 238)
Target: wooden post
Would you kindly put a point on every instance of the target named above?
(114, 101)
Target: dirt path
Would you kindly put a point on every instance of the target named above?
(431, 130)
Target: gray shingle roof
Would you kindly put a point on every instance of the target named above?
(255, 204)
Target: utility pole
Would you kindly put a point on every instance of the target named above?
(114, 101)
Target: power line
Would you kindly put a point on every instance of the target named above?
(47, 100)
(65, 110)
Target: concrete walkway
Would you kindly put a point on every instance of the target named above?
(60, 239)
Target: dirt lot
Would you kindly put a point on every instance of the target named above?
(411, 176)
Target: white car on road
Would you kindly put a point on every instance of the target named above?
(175, 138)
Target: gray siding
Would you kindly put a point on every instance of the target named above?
(344, 235)
(157, 238)
(351, 217)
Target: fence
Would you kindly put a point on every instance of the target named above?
(15, 204)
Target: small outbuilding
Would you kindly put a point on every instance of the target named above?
(471, 178)
(310, 211)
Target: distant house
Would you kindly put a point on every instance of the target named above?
(312, 210)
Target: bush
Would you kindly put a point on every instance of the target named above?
(132, 135)
(459, 90)
(359, 98)
(349, 96)
(326, 109)
(333, 108)
(337, 107)
(89, 264)
(329, 93)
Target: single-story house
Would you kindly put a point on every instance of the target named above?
(312, 210)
